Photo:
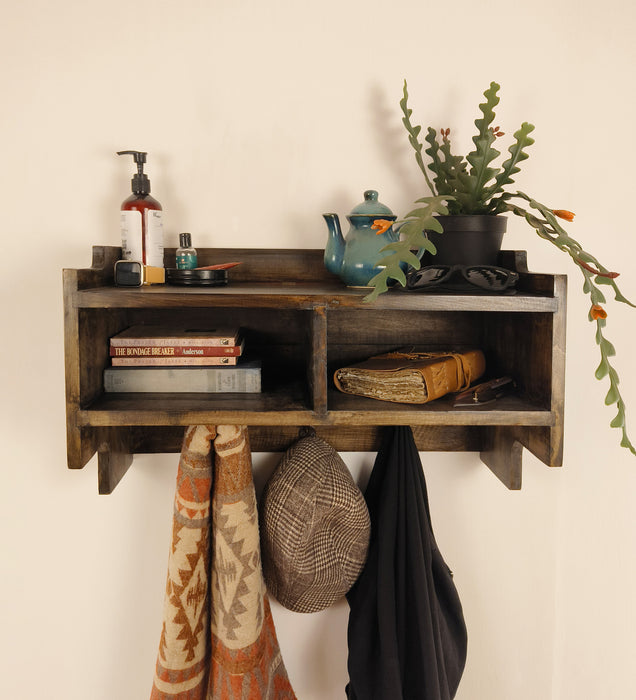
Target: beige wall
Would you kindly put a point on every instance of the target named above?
(259, 116)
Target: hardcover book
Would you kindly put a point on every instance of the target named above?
(411, 377)
(168, 335)
(174, 361)
(177, 350)
(245, 378)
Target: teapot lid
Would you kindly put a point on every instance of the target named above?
(371, 206)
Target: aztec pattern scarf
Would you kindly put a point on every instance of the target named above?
(218, 640)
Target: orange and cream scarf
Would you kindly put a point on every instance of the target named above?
(218, 640)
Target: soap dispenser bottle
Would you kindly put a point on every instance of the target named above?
(141, 219)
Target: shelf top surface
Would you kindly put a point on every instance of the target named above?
(277, 409)
(297, 279)
(305, 296)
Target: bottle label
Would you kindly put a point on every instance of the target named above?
(186, 261)
(154, 237)
(131, 233)
(133, 229)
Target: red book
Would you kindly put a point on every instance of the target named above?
(177, 350)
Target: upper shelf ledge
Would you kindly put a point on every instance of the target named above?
(297, 278)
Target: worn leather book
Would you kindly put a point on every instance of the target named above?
(411, 377)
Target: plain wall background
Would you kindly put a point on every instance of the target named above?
(259, 116)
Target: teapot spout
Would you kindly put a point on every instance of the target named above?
(334, 250)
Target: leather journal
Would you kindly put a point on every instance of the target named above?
(411, 377)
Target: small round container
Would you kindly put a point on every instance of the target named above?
(196, 278)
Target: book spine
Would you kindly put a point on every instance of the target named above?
(172, 342)
(176, 350)
(172, 361)
(182, 380)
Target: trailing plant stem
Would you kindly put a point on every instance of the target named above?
(549, 229)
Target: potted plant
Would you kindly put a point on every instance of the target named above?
(475, 186)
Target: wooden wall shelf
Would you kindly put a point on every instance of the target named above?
(304, 323)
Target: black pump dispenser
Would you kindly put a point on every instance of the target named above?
(140, 182)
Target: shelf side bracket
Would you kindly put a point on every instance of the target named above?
(114, 457)
(503, 455)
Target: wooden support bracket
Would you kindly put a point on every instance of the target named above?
(114, 457)
(503, 455)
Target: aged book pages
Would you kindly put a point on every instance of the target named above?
(411, 377)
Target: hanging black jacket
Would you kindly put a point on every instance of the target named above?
(407, 636)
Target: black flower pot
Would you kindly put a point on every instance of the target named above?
(469, 239)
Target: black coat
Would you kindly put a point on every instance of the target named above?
(407, 636)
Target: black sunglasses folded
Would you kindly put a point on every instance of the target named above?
(461, 277)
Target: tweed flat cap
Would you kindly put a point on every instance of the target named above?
(314, 526)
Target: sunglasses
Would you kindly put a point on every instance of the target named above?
(486, 277)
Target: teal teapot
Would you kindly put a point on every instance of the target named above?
(354, 257)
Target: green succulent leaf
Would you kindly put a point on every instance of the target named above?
(484, 154)
(420, 213)
(602, 370)
(619, 420)
(405, 256)
(619, 296)
(625, 442)
(379, 284)
(442, 170)
(510, 167)
(412, 238)
(596, 296)
(429, 246)
(612, 396)
(414, 132)
(607, 348)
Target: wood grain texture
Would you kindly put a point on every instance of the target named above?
(303, 323)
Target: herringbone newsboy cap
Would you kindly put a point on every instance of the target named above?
(314, 527)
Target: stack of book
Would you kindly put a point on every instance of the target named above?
(168, 359)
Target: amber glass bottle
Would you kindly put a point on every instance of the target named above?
(141, 219)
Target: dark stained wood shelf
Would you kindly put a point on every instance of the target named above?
(283, 408)
(303, 323)
(303, 296)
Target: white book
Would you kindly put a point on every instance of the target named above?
(243, 378)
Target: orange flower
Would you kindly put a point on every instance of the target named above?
(563, 214)
(597, 312)
(382, 225)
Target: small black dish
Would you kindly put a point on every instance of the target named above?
(197, 278)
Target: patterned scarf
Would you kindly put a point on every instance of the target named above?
(218, 640)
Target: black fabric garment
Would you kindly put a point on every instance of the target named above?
(407, 635)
